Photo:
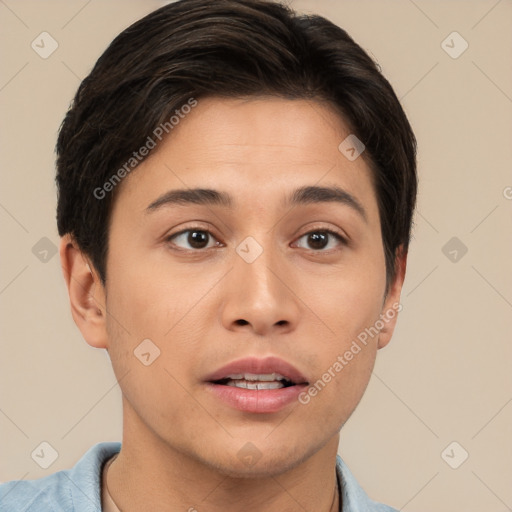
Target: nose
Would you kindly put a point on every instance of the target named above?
(259, 295)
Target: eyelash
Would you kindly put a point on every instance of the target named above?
(331, 232)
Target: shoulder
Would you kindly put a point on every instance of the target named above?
(354, 498)
(76, 489)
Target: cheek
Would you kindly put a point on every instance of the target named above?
(148, 302)
(145, 300)
(149, 358)
(349, 304)
(349, 301)
(339, 384)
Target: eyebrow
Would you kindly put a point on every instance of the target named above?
(301, 195)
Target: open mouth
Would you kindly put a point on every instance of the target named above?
(257, 385)
(256, 381)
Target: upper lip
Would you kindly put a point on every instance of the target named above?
(258, 366)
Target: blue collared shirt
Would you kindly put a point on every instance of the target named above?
(79, 489)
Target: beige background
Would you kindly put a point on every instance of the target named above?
(446, 374)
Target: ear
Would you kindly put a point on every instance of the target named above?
(86, 293)
(392, 304)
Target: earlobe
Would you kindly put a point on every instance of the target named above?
(86, 293)
(392, 306)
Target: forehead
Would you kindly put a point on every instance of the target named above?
(252, 148)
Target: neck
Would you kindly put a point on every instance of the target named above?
(148, 474)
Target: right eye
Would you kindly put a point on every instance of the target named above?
(197, 239)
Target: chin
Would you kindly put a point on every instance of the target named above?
(249, 462)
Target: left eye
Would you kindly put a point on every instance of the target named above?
(319, 239)
(196, 238)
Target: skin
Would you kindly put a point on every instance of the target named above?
(301, 303)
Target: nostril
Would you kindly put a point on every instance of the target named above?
(241, 321)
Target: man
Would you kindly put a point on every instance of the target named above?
(236, 187)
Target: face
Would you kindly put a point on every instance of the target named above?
(231, 292)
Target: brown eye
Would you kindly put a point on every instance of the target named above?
(320, 239)
(194, 238)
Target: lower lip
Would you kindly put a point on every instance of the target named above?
(256, 400)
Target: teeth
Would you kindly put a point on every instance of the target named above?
(245, 384)
(256, 381)
(263, 377)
